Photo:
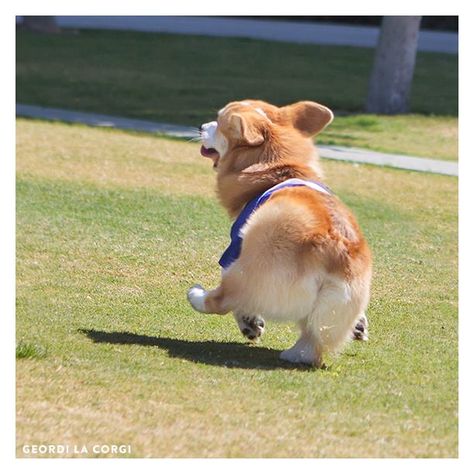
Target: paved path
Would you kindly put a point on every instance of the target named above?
(99, 120)
(289, 31)
(413, 163)
(331, 152)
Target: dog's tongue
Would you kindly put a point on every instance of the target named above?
(209, 152)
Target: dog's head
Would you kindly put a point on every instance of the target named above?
(253, 131)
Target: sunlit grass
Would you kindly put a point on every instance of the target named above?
(419, 135)
(112, 228)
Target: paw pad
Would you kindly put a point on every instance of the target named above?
(252, 327)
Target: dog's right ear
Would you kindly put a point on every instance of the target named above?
(308, 117)
(245, 131)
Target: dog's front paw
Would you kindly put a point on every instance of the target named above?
(361, 329)
(252, 327)
(197, 297)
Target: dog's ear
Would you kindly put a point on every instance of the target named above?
(308, 117)
(245, 131)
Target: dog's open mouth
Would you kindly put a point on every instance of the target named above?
(211, 153)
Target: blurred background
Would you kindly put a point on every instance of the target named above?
(383, 76)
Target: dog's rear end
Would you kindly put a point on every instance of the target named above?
(298, 263)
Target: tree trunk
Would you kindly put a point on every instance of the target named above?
(394, 64)
(40, 24)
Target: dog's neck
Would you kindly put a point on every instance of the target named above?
(235, 190)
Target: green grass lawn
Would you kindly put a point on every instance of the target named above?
(186, 79)
(112, 228)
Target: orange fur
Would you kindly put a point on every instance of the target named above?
(303, 255)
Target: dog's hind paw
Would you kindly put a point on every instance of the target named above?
(302, 353)
(197, 297)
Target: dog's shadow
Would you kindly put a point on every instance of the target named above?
(225, 354)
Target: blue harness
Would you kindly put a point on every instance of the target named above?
(232, 252)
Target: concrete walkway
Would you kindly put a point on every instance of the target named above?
(330, 152)
(288, 31)
(99, 120)
(406, 162)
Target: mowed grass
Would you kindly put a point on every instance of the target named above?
(186, 79)
(112, 228)
(417, 135)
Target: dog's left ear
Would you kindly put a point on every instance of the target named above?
(245, 131)
(308, 117)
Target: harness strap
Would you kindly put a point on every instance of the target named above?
(232, 252)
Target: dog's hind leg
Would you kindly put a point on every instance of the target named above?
(330, 324)
(221, 300)
(339, 309)
(307, 349)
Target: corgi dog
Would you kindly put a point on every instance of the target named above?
(296, 252)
